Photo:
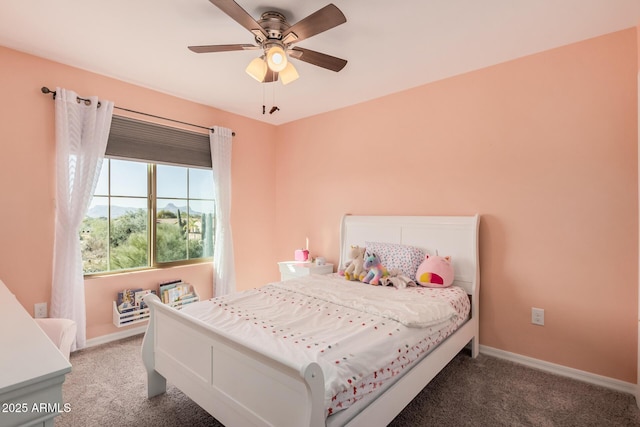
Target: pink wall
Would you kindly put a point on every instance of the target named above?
(543, 147)
(27, 184)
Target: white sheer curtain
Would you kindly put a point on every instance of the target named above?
(81, 138)
(223, 263)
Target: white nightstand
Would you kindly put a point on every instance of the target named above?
(292, 269)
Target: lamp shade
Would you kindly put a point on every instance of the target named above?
(289, 74)
(257, 69)
(276, 59)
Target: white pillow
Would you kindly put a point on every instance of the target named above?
(395, 256)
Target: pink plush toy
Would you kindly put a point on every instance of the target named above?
(435, 272)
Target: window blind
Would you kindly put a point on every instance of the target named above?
(138, 140)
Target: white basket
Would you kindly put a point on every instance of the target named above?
(142, 315)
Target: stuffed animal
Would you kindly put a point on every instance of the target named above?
(355, 266)
(435, 272)
(375, 270)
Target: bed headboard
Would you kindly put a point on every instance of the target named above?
(456, 236)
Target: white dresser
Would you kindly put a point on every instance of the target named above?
(291, 269)
(32, 369)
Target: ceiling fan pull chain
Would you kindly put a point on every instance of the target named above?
(273, 101)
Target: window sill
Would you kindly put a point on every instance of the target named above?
(161, 267)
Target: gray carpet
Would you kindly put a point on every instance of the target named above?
(107, 387)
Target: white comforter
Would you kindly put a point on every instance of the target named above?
(409, 308)
(352, 330)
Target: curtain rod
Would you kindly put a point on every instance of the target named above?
(46, 91)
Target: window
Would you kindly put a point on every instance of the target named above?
(184, 213)
(148, 215)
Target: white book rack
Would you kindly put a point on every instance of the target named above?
(142, 315)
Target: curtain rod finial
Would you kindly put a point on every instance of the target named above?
(47, 91)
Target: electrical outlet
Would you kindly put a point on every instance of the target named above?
(537, 316)
(40, 310)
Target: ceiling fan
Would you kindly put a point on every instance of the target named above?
(275, 36)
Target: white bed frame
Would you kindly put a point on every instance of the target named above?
(234, 382)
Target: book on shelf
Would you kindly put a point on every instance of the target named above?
(129, 300)
(164, 287)
(140, 295)
(126, 300)
(175, 292)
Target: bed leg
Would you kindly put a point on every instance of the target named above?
(475, 347)
(156, 383)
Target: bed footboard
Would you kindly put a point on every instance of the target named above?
(235, 383)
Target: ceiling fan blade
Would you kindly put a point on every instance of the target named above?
(238, 14)
(222, 48)
(321, 20)
(316, 58)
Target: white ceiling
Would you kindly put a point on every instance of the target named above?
(390, 45)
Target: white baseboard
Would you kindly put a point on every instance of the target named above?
(104, 339)
(611, 383)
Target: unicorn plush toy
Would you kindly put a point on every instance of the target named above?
(375, 270)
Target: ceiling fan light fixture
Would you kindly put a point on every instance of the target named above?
(289, 74)
(276, 58)
(257, 69)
